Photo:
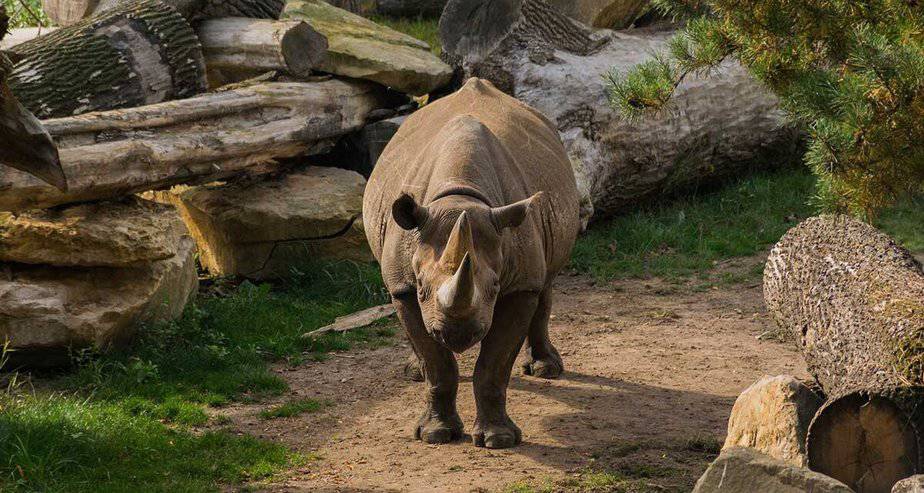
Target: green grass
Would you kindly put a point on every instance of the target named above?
(20, 16)
(424, 29)
(293, 408)
(132, 418)
(687, 236)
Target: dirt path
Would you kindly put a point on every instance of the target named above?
(652, 371)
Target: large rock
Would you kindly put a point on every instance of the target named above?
(612, 14)
(362, 49)
(394, 8)
(45, 311)
(131, 232)
(744, 470)
(914, 484)
(773, 416)
(265, 229)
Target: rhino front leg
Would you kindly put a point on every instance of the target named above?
(440, 423)
(499, 349)
(544, 360)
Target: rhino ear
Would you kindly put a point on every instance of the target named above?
(407, 213)
(513, 215)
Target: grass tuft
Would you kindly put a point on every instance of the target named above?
(294, 408)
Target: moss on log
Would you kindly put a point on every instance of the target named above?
(142, 52)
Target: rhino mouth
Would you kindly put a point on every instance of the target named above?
(458, 339)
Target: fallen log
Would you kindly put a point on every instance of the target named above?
(26, 146)
(142, 52)
(237, 48)
(716, 127)
(854, 299)
(196, 140)
(69, 12)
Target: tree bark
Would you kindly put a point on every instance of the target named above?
(201, 139)
(237, 48)
(715, 127)
(854, 299)
(142, 52)
(69, 12)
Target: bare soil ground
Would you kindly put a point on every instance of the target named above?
(652, 370)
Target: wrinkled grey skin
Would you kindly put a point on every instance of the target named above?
(471, 211)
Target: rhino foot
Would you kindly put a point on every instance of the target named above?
(497, 435)
(435, 429)
(550, 367)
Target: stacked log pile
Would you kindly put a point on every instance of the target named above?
(123, 90)
(853, 299)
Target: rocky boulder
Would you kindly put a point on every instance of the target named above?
(744, 470)
(45, 310)
(131, 232)
(773, 416)
(396, 8)
(264, 229)
(914, 484)
(362, 49)
(612, 14)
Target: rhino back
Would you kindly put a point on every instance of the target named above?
(524, 156)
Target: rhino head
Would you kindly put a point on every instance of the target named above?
(458, 261)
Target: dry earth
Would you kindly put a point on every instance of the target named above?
(653, 369)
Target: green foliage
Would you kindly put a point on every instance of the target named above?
(123, 419)
(850, 73)
(294, 408)
(26, 13)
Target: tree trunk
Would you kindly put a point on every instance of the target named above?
(69, 12)
(716, 126)
(140, 53)
(196, 140)
(237, 49)
(855, 301)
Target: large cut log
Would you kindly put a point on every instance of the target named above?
(142, 52)
(716, 126)
(238, 48)
(854, 299)
(24, 144)
(394, 8)
(201, 139)
(68, 12)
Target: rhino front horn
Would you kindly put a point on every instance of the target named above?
(459, 244)
(458, 293)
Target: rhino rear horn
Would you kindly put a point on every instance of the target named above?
(460, 242)
(458, 293)
(513, 215)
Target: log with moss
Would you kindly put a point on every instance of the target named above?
(854, 299)
(142, 52)
(68, 12)
(202, 139)
(718, 126)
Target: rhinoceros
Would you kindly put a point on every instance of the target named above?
(471, 211)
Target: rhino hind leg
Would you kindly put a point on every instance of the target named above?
(543, 359)
(412, 368)
(499, 350)
(439, 423)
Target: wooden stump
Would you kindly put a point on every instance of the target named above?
(865, 441)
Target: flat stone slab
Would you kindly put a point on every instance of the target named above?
(267, 228)
(362, 49)
(745, 470)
